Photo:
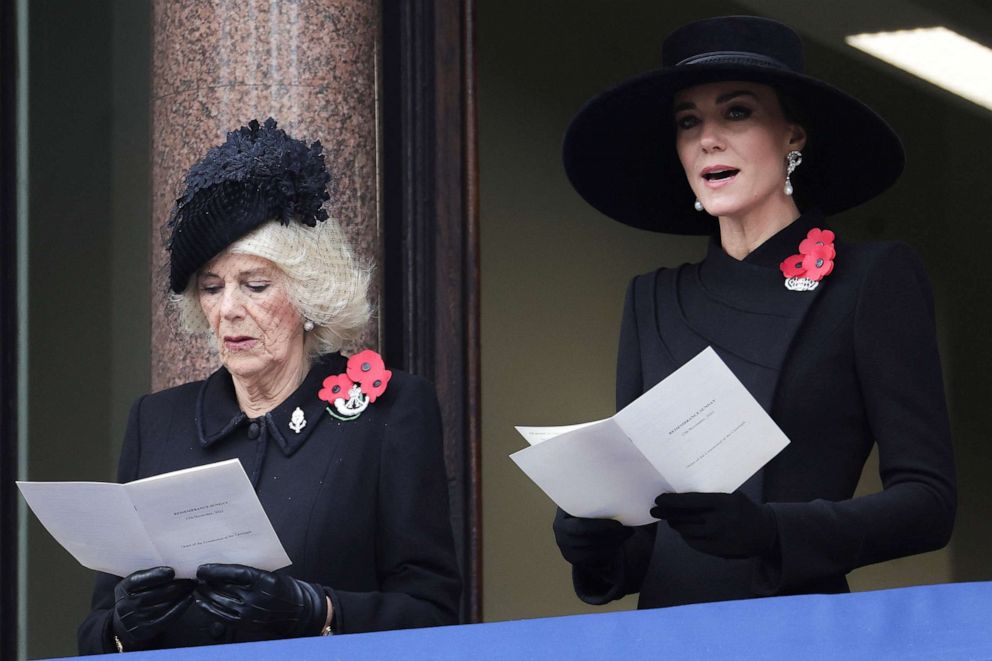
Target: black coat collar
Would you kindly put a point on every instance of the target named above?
(785, 242)
(756, 282)
(218, 414)
(740, 307)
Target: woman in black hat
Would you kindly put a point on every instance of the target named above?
(344, 454)
(835, 340)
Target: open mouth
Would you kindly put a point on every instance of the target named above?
(717, 175)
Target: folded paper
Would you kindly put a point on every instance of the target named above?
(181, 519)
(697, 430)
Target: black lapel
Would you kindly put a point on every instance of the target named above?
(740, 308)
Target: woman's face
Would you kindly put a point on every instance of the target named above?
(257, 328)
(732, 139)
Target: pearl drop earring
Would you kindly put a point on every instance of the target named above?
(308, 325)
(697, 205)
(794, 158)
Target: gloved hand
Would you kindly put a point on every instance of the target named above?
(729, 525)
(589, 542)
(261, 602)
(146, 601)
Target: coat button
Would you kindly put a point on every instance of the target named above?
(217, 630)
(253, 430)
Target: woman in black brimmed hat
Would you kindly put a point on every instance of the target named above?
(835, 340)
(345, 455)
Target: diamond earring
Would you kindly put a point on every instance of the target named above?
(794, 158)
(697, 205)
(308, 325)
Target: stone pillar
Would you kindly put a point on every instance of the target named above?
(312, 65)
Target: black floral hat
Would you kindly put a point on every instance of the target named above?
(259, 174)
(619, 150)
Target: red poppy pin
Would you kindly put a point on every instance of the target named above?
(815, 261)
(364, 380)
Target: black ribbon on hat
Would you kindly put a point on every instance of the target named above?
(734, 57)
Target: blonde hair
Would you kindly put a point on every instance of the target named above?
(323, 279)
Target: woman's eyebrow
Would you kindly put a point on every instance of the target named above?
(723, 98)
(255, 273)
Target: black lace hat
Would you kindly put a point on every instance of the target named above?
(619, 150)
(259, 174)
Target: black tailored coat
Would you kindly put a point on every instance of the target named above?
(360, 506)
(840, 368)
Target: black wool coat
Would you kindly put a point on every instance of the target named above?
(361, 506)
(840, 368)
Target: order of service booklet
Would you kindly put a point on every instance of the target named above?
(697, 430)
(181, 519)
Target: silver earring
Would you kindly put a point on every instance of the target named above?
(697, 205)
(308, 325)
(794, 158)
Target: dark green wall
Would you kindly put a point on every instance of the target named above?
(87, 270)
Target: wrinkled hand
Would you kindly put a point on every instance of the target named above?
(146, 601)
(261, 602)
(589, 542)
(729, 525)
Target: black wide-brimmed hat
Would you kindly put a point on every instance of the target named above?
(619, 151)
(259, 174)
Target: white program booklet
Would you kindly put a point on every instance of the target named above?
(181, 519)
(698, 430)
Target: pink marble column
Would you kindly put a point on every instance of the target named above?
(217, 64)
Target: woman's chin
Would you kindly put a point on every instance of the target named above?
(721, 209)
(243, 364)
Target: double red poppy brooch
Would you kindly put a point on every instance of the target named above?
(349, 394)
(814, 262)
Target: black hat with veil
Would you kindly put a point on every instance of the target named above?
(258, 175)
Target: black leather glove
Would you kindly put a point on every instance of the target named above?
(259, 603)
(729, 525)
(589, 542)
(145, 602)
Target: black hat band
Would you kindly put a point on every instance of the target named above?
(734, 57)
